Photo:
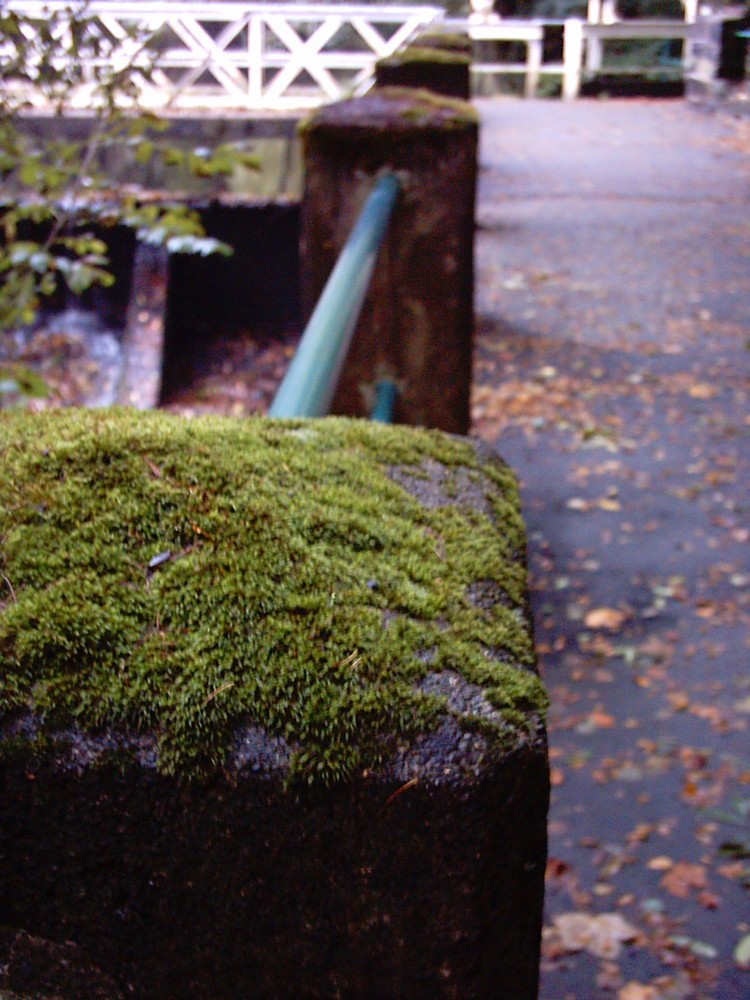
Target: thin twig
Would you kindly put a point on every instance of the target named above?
(10, 587)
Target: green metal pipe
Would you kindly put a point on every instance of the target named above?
(310, 382)
(385, 402)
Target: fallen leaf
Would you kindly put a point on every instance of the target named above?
(556, 868)
(606, 504)
(702, 391)
(707, 609)
(675, 987)
(610, 618)
(602, 720)
(733, 869)
(609, 976)
(678, 700)
(709, 900)
(601, 935)
(682, 877)
(701, 949)
(640, 834)
(557, 777)
(637, 991)
(660, 863)
(710, 713)
(578, 503)
(742, 952)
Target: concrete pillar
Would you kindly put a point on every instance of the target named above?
(417, 321)
(440, 71)
(334, 785)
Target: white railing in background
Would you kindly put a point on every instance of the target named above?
(583, 47)
(235, 56)
(247, 56)
(531, 33)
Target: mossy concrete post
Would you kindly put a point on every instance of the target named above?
(417, 321)
(445, 41)
(439, 70)
(270, 722)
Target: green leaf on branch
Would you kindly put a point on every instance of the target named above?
(18, 379)
(144, 152)
(85, 244)
(202, 245)
(59, 185)
(80, 276)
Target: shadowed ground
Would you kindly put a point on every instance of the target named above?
(613, 313)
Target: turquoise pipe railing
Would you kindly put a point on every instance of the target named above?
(386, 392)
(310, 382)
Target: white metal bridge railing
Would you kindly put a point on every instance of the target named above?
(230, 55)
(244, 56)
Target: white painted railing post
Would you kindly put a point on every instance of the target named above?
(255, 59)
(594, 52)
(609, 12)
(572, 58)
(691, 10)
(533, 66)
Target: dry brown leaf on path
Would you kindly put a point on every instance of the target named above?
(606, 503)
(674, 987)
(610, 618)
(637, 991)
(601, 934)
(682, 877)
(601, 720)
(556, 777)
(641, 833)
(660, 863)
(702, 391)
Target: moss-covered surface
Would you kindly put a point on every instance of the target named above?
(387, 111)
(445, 40)
(181, 578)
(425, 54)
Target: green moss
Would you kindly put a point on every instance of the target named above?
(416, 54)
(421, 106)
(388, 110)
(445, 40)
(183, 577)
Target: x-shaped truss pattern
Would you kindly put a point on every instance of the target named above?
(239, 55)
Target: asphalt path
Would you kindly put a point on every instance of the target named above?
(613, 373)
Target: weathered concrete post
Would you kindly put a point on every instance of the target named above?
(441, 70)
(417, 322)
(270, 723)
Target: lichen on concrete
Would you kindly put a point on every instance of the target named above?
(187, 581)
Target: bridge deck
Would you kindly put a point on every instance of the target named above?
(612, 372)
